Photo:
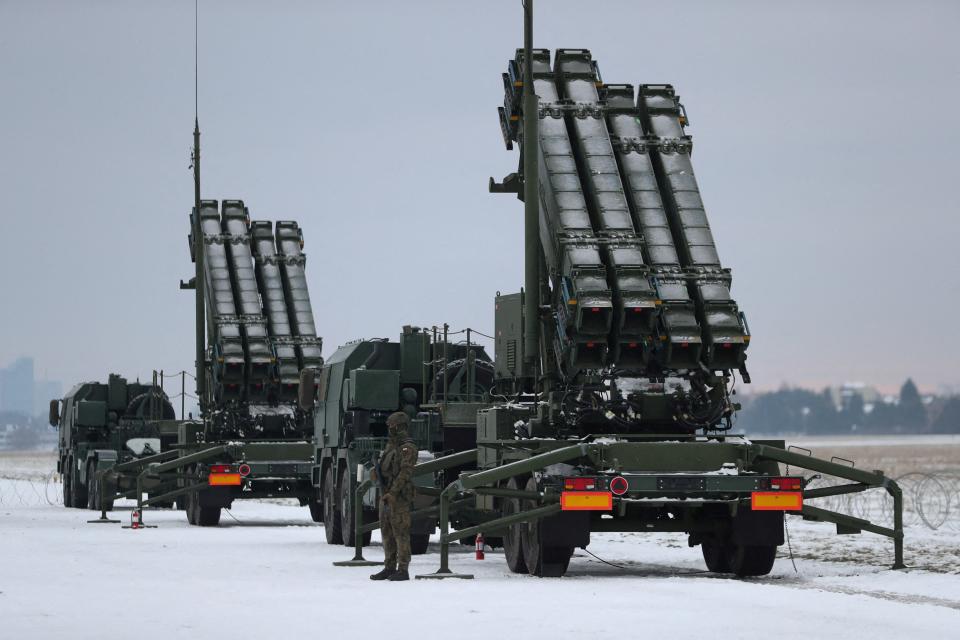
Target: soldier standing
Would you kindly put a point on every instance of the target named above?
(396, 482)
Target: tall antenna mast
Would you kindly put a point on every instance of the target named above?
(531, 201)
(198, 247)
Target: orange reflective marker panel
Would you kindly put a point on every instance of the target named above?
(224, 479)
(586, 501)
(776, 501)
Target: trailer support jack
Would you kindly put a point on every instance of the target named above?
(102, 488)
(358, 528)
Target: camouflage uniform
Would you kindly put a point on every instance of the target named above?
(396, 470)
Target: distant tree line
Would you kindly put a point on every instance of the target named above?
(795, 410)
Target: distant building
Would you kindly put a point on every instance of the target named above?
(842, 396)
(16, 387)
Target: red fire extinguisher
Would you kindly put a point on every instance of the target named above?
(479, 546)
(135, 521)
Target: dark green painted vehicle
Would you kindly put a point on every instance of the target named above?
(440, 385)
(105, 425)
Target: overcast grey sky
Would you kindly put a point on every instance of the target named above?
(826, 146)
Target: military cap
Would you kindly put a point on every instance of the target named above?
(398, 419)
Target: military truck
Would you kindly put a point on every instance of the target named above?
(439, 384)
(620, 354)
(103, 425)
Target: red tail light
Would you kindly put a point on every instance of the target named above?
(580, 484)
(244, 470)
(595, 309)
(223, 468)
(786, 484)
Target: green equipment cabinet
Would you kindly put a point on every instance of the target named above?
(440, 385)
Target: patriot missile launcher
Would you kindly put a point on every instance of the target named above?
(619, 355)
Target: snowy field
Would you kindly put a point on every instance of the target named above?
(266, 572)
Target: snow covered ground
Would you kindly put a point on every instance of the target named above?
(266, 572)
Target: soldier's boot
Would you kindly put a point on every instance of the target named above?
(398, 575)
(383, 574)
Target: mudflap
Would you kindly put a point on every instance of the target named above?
(567, 529)
(221, 497)
(757, 528)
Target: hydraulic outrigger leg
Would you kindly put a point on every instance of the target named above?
(358, 528)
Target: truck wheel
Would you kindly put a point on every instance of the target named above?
(542, 561)
(78, 492)
(190, 499)
(752, 560)
(199, 515)
(331, 511)
(93, 491)
(347, 522)
(513, 539)
(207, 516)
(716, 555)
(315, 503)
(190, 508)
(67, 488)
(419, 543)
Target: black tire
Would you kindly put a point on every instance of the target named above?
(315, 505)
(716, 554)
(67, 485)
(331, 511)
(542, 561)
(513, 539)
(190, 506)
(419, 543)
(93, 491)
(752, 560)
(190, 499)
(78, 493)
(198, 515)
(347, 521)
(208, 516)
